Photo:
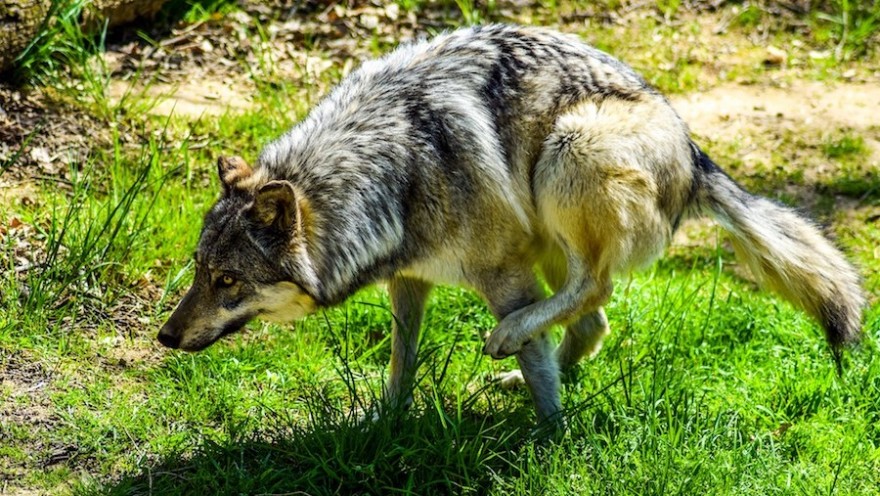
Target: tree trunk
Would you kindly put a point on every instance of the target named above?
(20, 20)
(123, 11)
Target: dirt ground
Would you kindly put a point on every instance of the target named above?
(214, 65)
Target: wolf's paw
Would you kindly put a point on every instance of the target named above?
(510, 380)
(554, 429)
(366, 415)
(504, 342)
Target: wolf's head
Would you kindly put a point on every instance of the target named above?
(251, 261)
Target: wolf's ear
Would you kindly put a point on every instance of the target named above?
(232, 171)
(275, 203)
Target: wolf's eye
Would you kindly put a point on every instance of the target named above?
(225, 281)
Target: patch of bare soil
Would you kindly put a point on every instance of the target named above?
(205, 68)
(24, 404)
(20, 376)
(760, 119)
(725, 112)
(752, 115)
(192, 99)
(42, 136)
(210, 67)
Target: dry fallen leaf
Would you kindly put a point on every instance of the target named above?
(40, 155)
(781, 429)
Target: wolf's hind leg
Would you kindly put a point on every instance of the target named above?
(612, 177)
(408, 297)
(582, 337)
(582, 293)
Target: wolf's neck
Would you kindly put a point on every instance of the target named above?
(353, 222)
(356, 240)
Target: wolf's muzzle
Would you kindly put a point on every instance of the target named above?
(169, 338)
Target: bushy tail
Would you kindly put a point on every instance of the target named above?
(787, 254)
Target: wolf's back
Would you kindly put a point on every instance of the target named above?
(786, 253)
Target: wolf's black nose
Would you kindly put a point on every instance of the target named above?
(168, 339)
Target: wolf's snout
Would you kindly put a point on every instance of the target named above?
(169, 338)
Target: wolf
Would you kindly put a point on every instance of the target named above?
(486, 157)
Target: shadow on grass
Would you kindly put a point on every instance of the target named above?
(864, 188)
(424, 453)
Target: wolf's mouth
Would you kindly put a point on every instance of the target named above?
(234, 326)
(229, 328)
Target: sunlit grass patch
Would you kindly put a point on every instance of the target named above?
(844, 145)
(706, 385)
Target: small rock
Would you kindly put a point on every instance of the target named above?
(815, 55)
(775, 56)
(292, 26)
(240, 17)
(369, 21)
(392, 11)
(113, 60)
(112, 340)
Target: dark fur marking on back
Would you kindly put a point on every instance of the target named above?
(499, 95)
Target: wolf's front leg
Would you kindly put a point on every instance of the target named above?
(408, 297)
(509, 292)
(541, 374)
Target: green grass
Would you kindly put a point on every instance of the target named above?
(706, 385)
(846, 145)
(851, 23)
(63, 48)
